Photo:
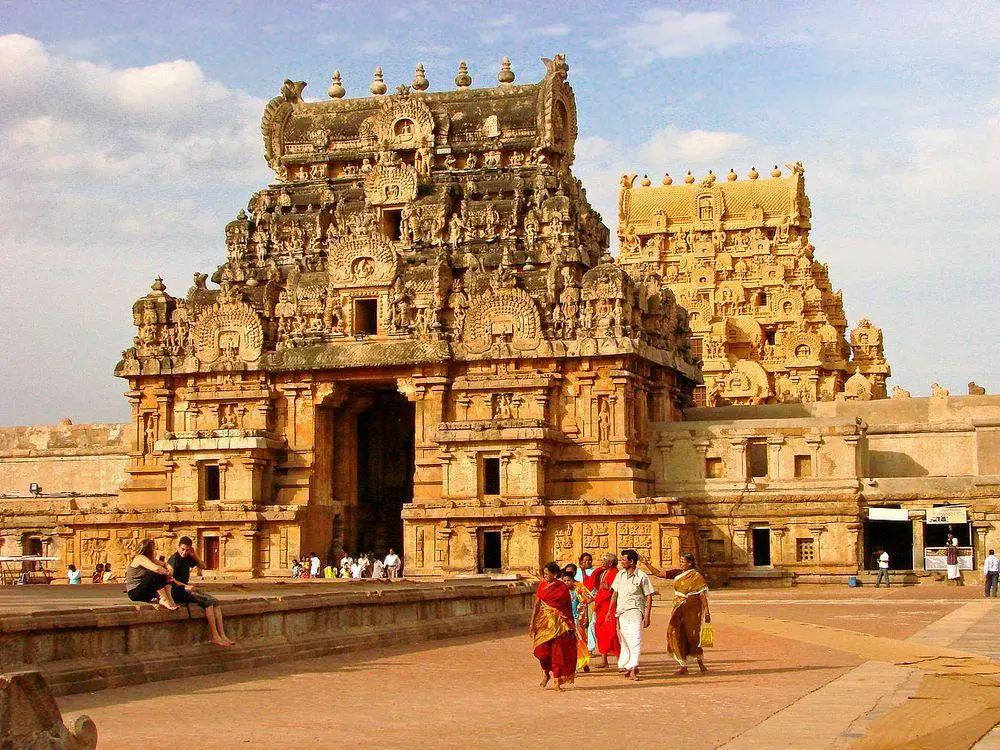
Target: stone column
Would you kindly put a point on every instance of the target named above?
(817, 532)
(472, 564)
(918, 539)
(774, 444)
(778, 548)
(741, 555)
(814, 442)
(738, 459)
(857, 544)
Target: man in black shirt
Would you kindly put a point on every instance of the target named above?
(179, 565)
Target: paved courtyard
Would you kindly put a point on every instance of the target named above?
(800, 668)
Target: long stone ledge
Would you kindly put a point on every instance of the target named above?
(83, 650)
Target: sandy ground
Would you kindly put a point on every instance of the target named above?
(482, 691)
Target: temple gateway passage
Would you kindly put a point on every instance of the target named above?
(419, 339)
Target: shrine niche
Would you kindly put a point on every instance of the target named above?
(502, 316)
(743, 245)
(390, 184)
(230, 332)
(404, 122)
(358, 261)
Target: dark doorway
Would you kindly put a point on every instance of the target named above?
(385, 464)
(895, 537)
(937, 534)
(211, 557)
(491, 476)
(492, 556)
(761, 538)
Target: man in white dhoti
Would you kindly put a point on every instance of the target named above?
(632, 603)
(392, 563)
(954, 574)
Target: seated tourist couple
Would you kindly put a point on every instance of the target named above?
(168, 584)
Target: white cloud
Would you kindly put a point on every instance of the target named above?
(108, 176)
(665, 34)
(556, 29)
(375, 46)
(672, 145)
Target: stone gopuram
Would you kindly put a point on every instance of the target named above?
(768, 326)
(418, 317)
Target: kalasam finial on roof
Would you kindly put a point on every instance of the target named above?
(667, 179)
(420, 82)
(506, 75)
(753, 174)
(463, 80)
(378, 86)
(336, 90)
(732, 176)
(689, 178)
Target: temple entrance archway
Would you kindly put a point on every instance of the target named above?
(372, 471)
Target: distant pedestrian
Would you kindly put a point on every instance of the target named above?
(357, 569)
(392, 564)
(72, 575)
(883, 570)
(991, 569)
(109, 575)
(951, 553)
(378, 569)
(98, 576)
(314, 565)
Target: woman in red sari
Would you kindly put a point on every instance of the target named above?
(552, 630)
(607, 632)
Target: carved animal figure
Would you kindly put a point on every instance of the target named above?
(898, 392)
(976, 390)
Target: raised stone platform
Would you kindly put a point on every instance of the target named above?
(103, 641)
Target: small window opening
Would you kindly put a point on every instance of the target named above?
(761, 299)
(803, 466)
(758, 460)
(769, 337)
(213, 483)
(492, 552)
(392, 223)
(491, 476)
(714, 468)
(366, 316)
(805, 550)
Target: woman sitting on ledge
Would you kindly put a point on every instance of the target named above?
(147, 581)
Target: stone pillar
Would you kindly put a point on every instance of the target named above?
(979, 548)
(857, 544)
(778, 548)
(814, 442)
(774, 444)
(741, 555)
(918, 540)
(472, 562)
(854, 442)
(738, 459)
(505, 534)
(703, 537)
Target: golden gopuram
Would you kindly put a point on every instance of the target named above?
(419, 339)
(767, 325)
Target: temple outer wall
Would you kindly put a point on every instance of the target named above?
(95, 649)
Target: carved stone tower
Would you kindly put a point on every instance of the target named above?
(418, 319)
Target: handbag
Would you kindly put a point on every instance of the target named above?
(707, 635)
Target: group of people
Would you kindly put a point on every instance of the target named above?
(367, 565)
(582, 612)
(166, 583)
(102, 574)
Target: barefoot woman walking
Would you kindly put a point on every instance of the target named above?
(552, 632)
(690, 608)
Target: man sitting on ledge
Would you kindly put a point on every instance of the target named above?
(179, 565)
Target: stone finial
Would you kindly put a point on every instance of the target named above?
(463, 80)
(158, 286)
(420, 82)
(689, 178)
(668, 180)
(378, 86)
(506, 75)
(645, 181)
(731, 176)
(754, 174)
(336, 90)
(776, 173)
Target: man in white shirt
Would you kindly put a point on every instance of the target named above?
(357, 569)
(632, 604)
(883, 569)
(991, 569)
(314, 565)
(392, 563)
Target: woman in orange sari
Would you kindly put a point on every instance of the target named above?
(690, 609)
(607, 632)
(552, 632)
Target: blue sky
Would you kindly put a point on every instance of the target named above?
(129, 135)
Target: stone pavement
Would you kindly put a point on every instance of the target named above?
(777, 683)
